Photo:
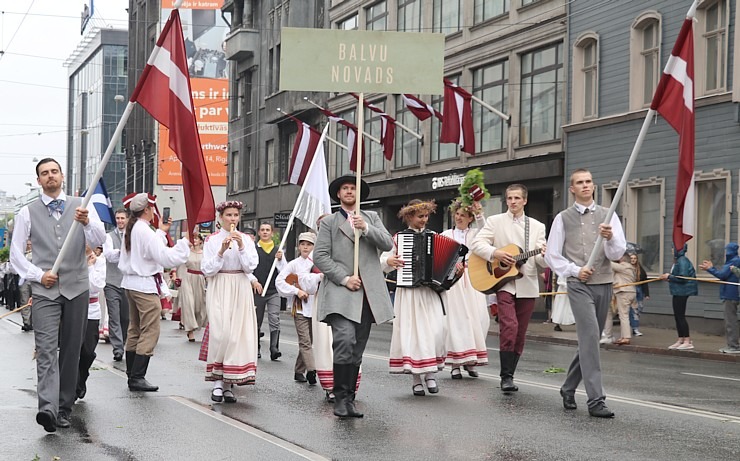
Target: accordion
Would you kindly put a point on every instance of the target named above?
(429, 260)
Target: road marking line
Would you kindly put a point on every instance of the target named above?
(711, 376)
(616, 398)
(285, 445)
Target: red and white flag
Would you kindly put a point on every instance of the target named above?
(457, 123)
(164, 91)
(351, 138)
(308, 170)
(419, 108)
(674, 100)
(387, 128)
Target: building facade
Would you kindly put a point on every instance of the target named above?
(508, 53)
(98, 78)
(617, 53)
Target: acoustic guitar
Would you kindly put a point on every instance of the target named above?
(490, 276)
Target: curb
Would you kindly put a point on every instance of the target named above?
(716, 356)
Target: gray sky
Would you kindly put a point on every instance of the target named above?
(37, 36)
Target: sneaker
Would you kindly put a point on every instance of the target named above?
(606, 340)
(730, 350)
(688, 345)
(676, 344)
(636, 332)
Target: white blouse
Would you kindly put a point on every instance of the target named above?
(96, 273)
(301, 267)
(244, 260)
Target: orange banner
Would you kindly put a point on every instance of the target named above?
(210, 97)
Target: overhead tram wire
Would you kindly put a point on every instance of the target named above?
(10, 42)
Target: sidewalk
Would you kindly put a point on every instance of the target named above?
(653, 341)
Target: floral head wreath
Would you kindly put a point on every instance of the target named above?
(458, 204)
(229, 204)
(415, 206)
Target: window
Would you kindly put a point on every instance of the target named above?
(247, 171)
(712, 211)
(487, 9)
(585, 77)
(236, 179)
(491, 85)
(541, 95)
(528, 2)
(348, 24)
(409, 15)
(286, 158)
(648, 224)
(447, 16)
(270, 70)
(377, 17)
(645, 38)
(712, 48)
(270, 166)
(373, 150)
(344, 135)
(407, 146)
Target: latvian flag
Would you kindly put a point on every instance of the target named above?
(308, 169)
(419, 108)
(457, 123)
(351, 138)
(674, 100)
(387, 129)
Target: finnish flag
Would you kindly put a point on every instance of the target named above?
(102, 203)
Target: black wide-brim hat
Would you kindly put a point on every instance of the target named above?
(348, 179)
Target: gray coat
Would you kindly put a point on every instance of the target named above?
(334, 256)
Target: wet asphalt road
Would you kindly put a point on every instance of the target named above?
(668, 408)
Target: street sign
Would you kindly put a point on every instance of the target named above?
(281, 220)
(361, 61)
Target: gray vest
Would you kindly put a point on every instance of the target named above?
(47, 237)
(581, 231)
(113, 275)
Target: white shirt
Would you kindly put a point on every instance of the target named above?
(94, 236)
(96, 274)
(149, 255)
(300, 266)
(234, 259)
(111, 254)
(613, 249)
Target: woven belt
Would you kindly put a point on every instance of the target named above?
(230, 272)
(193, 271)
(94, 300)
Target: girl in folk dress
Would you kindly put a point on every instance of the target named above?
(228, 256)
(192, 292)
(467, 317)
(419, 326)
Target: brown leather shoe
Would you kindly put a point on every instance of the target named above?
(622, 342)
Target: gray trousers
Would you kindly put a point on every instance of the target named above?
(731, 328)
(25, 290)
(590, 304)
(350, 338)
(270, 303)
(117, 304)
(59, 322)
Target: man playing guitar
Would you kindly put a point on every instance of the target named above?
(515, 298)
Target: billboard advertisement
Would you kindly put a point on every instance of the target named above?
(204, 30)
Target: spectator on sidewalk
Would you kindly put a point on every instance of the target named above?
(624, 292)
(681, 287)
(642, 292)
(562, 314)
(25, 295)
(729, 295)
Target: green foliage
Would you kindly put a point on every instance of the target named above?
(472, 178)
(276, 238)
(4, 253)
(553, 369)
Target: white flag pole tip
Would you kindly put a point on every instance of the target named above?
(178, 4)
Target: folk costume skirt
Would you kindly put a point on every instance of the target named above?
(419, 331)
(561, 311)
(192, 300)
(467, 323)
(232, 325)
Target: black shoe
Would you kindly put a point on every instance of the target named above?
(81, 392)
(47, 419)
(471, 371)
(454, 375)
(141, 385)
(351, 410)
(26, 328)
(311, 377)
(137, 381)
(557, 328)
(117, 357)
(507, 384)
(569, 401)
(299, 377)
(63, 420)
(601, 411)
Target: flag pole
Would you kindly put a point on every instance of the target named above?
(409, 130)
(284, 239)
(368, 136)
(328, 138)
(490, 108)
(633, 157)
(94, 184)
(358, 174)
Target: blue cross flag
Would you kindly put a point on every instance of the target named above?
(102, 203)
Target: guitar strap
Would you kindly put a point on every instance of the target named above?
(526, 234)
